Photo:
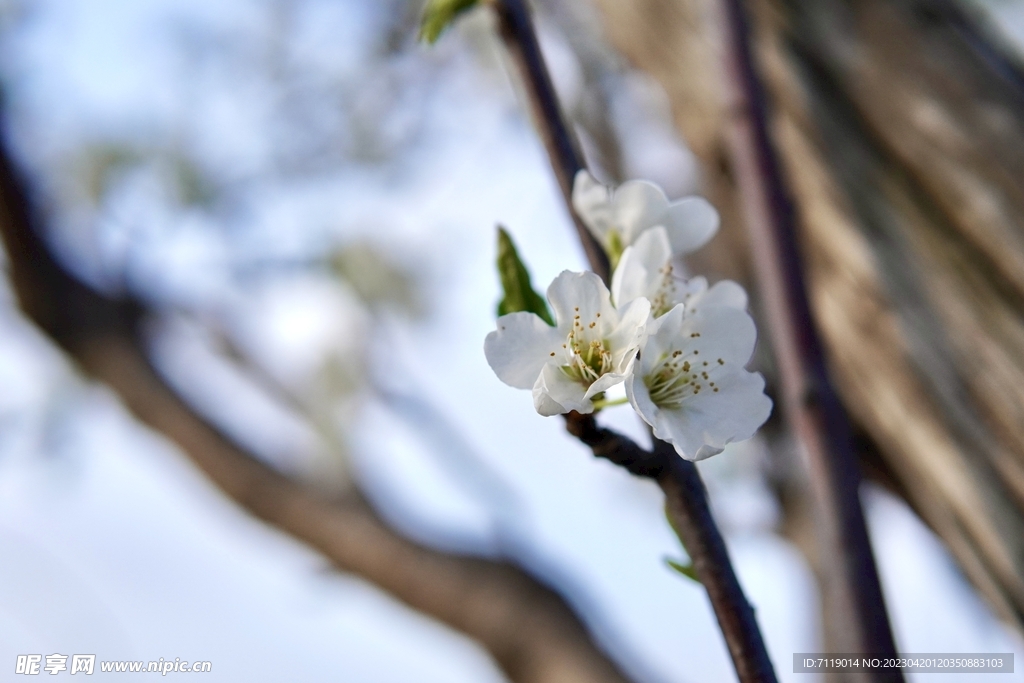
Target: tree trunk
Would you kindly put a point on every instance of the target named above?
(902, 135)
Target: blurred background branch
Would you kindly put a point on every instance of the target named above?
(852, 591)
(529, 630)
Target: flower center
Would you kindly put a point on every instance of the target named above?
(675, 379)
(589, 358)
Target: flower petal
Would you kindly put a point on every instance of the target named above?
(520, 347)
(583, 294)
(726, 333)
(681, 429)
(555, 393)
(662, 335)
(608, 380)
(544, 404)
(636, 206)
(706, 451)
(627, 336)
(691, 223)
(593, 203)
(708, 421)
(640, 398)
(709, 334)
(640, 271)
(725, 293)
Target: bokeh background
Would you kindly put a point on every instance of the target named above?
(304, 198)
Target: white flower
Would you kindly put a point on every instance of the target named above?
(592, 347)
(618, 218)
(646, 270)
(690, 384)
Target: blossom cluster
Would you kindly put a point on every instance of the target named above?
(678, 345)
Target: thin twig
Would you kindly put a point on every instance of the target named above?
(809, 400)
(517, 32)
(686, 504)
(686, 498)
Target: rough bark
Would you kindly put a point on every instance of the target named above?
(902, 135)
(851, 589)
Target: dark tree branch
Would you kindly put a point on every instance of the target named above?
(810, 402)
(529, 630)
(615, 447)
(520, 39)
(686, 502)
(686, 497)
(687, 507)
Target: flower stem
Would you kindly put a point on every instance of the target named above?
(609, 403)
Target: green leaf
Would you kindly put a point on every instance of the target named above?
(439, 14)
(515, 281)
(684, 569)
